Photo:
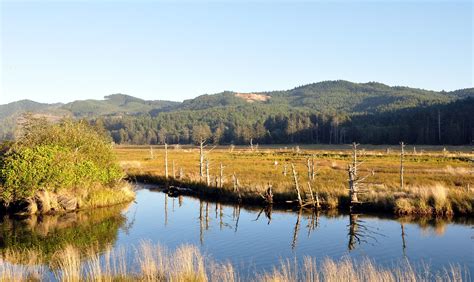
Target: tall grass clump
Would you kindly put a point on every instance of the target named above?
(187, 263)
(64, 157)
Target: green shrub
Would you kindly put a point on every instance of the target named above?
(65, 155)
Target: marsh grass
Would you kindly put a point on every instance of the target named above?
(187, 263)
(437, 183)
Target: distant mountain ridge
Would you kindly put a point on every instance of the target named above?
(338, 97)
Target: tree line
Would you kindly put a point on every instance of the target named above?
(450, 124)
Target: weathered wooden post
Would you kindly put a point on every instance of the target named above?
(166, 160)
(285, 170)
(313, 172)
(181, 174)
(297, 187)
(402, 155)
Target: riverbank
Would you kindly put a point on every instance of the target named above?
(49, 202)
(187, 263)
(436, 183)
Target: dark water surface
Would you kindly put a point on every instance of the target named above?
(252, 239)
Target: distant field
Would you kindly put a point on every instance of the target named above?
(433, 176)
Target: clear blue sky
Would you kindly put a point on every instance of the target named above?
(60, 51)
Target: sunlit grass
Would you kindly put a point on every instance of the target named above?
(436, 182)
(187, 263)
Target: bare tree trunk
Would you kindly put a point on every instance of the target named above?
(269, 195)
(201, 158)
(354, 157)
(251, 144)
(181, 175)
(402, 155)
(166, 160)
(352, 185)
(313, 173)
(314, 198)
(208, 179)
(308, 165)
(297, 187)
(221, 176)
(235, 183)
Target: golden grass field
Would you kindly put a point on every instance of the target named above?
(437, 180)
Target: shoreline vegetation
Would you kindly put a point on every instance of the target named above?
(437, 182)
(187, 263)
(59, 167)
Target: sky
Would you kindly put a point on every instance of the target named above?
(61, 51)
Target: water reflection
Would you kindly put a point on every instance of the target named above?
(45, 234)
(243, 234)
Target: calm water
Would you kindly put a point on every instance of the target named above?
(249, 238)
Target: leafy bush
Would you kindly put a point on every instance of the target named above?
(65, 155)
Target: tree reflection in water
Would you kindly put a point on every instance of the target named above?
(360, 232)
(46, 234)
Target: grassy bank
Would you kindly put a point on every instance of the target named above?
(436, 181)
(187, 263)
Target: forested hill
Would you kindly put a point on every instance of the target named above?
(334, 96)
(324, 112)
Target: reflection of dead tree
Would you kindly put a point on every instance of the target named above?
(296, 230)
(201, 222)
(353, 227)
(166, 209)
(221, 215)
(403, 238)
(207, 216)
(359, 232)
(236, 216)
(268, 213)
(313, 222)
(180, 200)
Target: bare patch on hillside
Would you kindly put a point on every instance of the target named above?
(251, 97)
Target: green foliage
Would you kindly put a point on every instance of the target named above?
(65, 155)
